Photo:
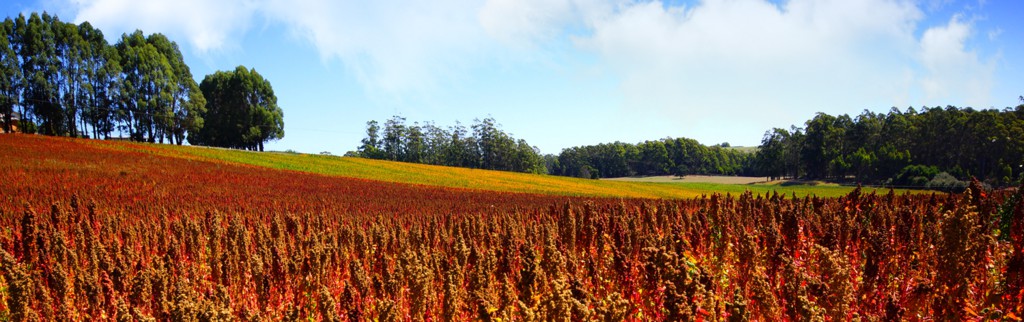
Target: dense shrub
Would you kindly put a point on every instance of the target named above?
(915, 175)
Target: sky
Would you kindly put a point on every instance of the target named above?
(563, 73)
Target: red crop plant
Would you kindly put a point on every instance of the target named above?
(95, 231)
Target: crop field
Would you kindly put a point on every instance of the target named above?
(695, 179)
(738, 185)
(461, 177)
(93, 230)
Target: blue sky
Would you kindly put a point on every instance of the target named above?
(561, 73)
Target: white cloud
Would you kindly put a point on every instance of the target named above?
(207, 25)
(954, 73)
(713, 61)
(521, 23)
(392, 46)
(529, 23)
(751, 60)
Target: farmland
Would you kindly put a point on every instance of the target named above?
(97, 230)
(476, 179)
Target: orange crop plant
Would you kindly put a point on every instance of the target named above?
(93, 233)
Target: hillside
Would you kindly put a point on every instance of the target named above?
(476, 179)
(144, 181)
(407, 173)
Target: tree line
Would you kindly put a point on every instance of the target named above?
(65, 79)
(939, 148)
(679, 156)
(483, 145)
(911, 147)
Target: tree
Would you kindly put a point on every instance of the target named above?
(70, 51)
(487, 147)
(10, 74)
(437, 141)
(107, 89)
(889, 161)
(371, 144)
(415, 144)
(462, 151)
(39, 67)
(653, 158)
(572, 162)
(770, 158)
(679, 156)
(394, 138)
(67, 80)
(91, 62)
(489, 143)
(863, 164)
(241, 111)
(187, 101)
(551, 163)
(823, 146)
(147, 90)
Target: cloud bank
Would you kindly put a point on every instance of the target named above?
(711, 60)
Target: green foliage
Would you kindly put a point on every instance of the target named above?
(186, 104)
(67, 80)
(371, 144)
(241, 111)
(10, 74)
(148, 87)
(486, 147)
(679, 157)
(863, 163)
(876, 147)
(779, 155)
(37, 49)
(915, 175)
(653, 158)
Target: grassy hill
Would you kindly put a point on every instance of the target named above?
(475, 178)
(429, 175)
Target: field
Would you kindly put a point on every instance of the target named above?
(455, 177)
(695, 179)
(96, 230)
(738, 185)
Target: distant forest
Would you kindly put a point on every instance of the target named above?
(933, 147)
(483, 145)
(679, 157)
(63, 79)
(937, 148)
